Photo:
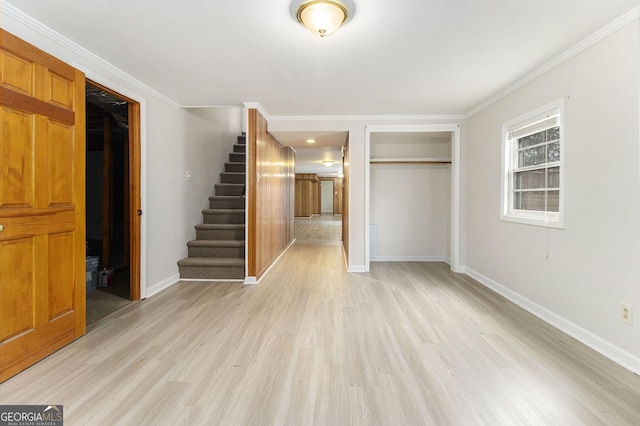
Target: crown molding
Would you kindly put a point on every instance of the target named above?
(256, 105)
(368, 118)
(594, 38)
(7, 10)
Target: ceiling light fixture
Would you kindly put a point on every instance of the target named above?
(311, 141)
(328, 163)
(322, 17)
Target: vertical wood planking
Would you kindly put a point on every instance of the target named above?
(134, 199)
(345, 199)
(270, 226)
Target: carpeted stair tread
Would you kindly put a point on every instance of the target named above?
(225, 197)
(215, 243)
(233, 177)
(235, 167)
(229, 188)
(211, 261)
(223, 211)
(222, 226)
(226, 202)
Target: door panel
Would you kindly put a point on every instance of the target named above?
(60, 150)
(42, 238)
(60, 275)
(16, 301)
(16, 165)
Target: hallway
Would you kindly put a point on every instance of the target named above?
(407, 343)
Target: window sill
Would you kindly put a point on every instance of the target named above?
(535, 220)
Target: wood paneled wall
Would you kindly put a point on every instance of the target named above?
(345, 200)
(307, 196)
(271, 182)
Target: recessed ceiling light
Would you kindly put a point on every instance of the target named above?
(311, 141)
(328, 163)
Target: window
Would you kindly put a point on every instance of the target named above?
(533, 158)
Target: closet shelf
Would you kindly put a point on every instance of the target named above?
(410, 161)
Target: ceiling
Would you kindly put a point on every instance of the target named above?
(310, 156)
(400, 57)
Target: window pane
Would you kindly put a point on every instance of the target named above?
(553, 201)
(553, 134)
(553, 177)
(533, 200)
(529, 180)
(553, 152)
(533, 139)
(532, 156)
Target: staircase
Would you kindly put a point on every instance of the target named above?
(218, 250)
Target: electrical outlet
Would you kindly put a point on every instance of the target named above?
(626, 314)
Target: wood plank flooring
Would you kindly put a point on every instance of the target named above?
(406, 344)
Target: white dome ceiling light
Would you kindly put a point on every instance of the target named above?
(322, 17)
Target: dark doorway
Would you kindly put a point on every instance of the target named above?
(107, 203)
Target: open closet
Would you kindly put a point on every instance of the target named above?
(410, 196)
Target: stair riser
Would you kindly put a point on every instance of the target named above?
(229, 190)
(236, 157)
(237, 203)
(220, 234)
(234, 218)
(235, 167)
(217, 272)
(226, 252)
(233, 178)
(240, 148)
(242, 140)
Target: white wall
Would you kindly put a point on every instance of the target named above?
(173, 141)
(593, 265)
(409, 205)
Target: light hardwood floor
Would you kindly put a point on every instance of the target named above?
(406, 344)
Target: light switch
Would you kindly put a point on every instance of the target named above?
(189, 177)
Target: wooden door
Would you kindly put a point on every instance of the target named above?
(42, 205)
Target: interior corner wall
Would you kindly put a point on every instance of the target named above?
(173, 141)
(592, 265)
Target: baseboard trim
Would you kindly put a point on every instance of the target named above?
(214, 280)
(250, 281)
(409, 259)
(357, 268)
(162, 285)
(595, 342)
(255, 280)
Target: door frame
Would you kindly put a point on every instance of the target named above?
(454, 128)
(135, 154)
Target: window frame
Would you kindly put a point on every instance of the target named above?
(509, 164)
